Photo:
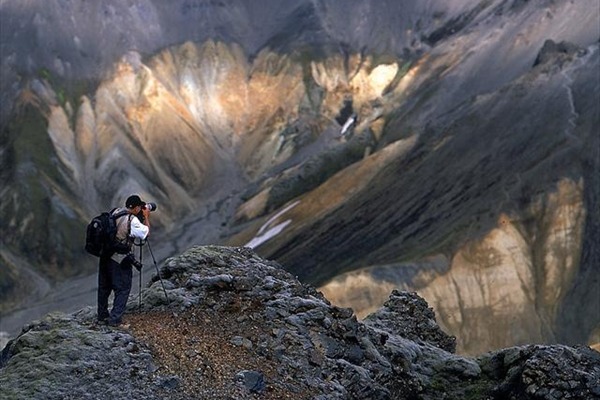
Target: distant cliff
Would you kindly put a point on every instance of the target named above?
(469, 175)
(238, 326)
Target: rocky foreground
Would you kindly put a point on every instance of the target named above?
(240, 327)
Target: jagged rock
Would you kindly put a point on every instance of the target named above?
(263, 333)
(169, 382)
(252, 380)
(65, 356)
(544, 372)
(408, 316)
(552, 50)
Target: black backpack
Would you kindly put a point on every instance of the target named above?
(101, 235)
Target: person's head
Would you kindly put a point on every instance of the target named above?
(134, 204)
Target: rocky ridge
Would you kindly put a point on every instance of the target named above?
(238, 326)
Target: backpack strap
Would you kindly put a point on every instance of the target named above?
(119, 214)
(129, 226)
(116, 217)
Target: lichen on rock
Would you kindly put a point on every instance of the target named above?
(222, 322)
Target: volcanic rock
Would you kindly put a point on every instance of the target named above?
(185, 344)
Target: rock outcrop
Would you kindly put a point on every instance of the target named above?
(225, 323)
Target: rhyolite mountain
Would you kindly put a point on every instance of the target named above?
(224, 323)
(471, 175)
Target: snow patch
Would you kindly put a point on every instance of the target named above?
(4, 339)
(267, 232)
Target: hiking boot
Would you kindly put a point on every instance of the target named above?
(119, 325)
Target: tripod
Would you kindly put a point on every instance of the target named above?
(141, 246)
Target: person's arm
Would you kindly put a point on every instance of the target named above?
(139, 230)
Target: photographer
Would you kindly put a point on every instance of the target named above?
(115, 270)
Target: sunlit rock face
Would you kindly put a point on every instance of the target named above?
(469, 176)
(514, 278)
(522, 252)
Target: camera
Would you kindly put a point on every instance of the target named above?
(147, 206)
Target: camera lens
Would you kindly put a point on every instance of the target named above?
(151, 206)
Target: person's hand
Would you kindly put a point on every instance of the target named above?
(146, 213)
(138, 265)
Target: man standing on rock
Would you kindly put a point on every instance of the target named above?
(115, 270)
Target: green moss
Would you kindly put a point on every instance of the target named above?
(68, 91)
(383, 58)
(440, 387)
(44, 234)
(45, 74)
(478, 392)
(61, 97)
(317, 170)
(9, 285)
(305, 57)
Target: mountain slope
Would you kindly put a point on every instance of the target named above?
(469, 176)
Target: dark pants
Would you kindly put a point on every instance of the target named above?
(116, 277)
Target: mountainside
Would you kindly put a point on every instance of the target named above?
(225, 323)
(469, 176)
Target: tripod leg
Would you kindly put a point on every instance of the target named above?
(140, 292)
(140, 286)
(158, 272)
